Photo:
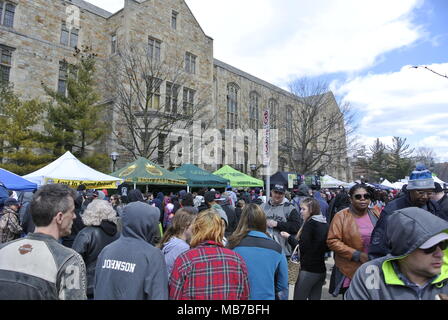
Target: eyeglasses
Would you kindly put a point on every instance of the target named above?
(362, 196)
(442, 245)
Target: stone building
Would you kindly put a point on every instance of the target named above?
(36, 36)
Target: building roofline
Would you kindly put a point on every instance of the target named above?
(252, 78)
(192, 14)
(91, 8)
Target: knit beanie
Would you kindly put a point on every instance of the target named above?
(420, 178)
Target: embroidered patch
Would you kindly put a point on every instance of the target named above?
(26, 248)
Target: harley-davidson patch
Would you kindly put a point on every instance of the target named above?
(26, 248)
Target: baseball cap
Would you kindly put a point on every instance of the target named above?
(210, 196)
(438, 187)
(434, 240)
(182, 194)
(279, 188)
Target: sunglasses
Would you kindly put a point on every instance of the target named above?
(442, 245)
(362, 196)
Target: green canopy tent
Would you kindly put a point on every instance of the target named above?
(200, 178)
(145, 172)
(238, 179)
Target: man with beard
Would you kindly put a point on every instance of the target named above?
(418, 194)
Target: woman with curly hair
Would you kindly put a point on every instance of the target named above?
(100, 219)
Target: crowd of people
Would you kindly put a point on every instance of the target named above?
(60, 243)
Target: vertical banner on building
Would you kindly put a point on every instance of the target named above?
(267, 151)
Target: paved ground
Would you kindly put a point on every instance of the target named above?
(325, 294)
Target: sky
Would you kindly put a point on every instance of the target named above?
(364, 50)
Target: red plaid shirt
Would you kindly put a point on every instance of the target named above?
(209, 272)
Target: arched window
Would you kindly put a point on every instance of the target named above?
(254, 110)
(232, 106)
(273, 113)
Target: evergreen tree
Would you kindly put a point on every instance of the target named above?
(378, 161)
(399, 159)
(23, 149)
(74, 120)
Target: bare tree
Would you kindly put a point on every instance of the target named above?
(429, 69)
(151, 98)
(427, 156)
(320, 127)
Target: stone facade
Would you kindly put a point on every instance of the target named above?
(36, 40)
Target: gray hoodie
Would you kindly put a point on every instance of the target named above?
(378, 279)
(131, 268)
(172, 249)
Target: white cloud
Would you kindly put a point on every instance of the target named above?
(278, 40)
(409, 103)
(292, 38)
(434, 142)
(408, 100)
(369, 141)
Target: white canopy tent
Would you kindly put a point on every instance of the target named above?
(330, 182)
(387, 183)
(436, 179)
(398, 185)
(68, 170)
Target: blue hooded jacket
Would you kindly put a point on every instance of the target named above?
(131, 268)
(323, 205)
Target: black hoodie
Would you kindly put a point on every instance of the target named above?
(131, 268)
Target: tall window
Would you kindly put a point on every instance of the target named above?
(64, 34)
(153, 91)
(74, 37)
(190, 63)
(154, 49)
(289, 129)
(174, 15)
(62, 80)
(114, 43)
(254, 111)
(7, 11)
(172, 93)
(232, 106)
(273, 110)
(188, 101)
(5, 63)
(69, 37)
(161, 148)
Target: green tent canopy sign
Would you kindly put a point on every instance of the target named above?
(145, 172)
(238, 179)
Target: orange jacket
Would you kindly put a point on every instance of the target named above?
(344, 239)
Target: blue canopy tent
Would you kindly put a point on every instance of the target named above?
(381, 186)
(14, 182)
